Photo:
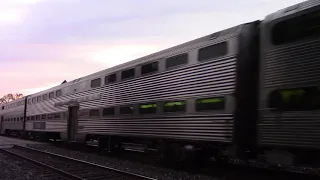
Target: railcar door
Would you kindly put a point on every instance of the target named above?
(2, 119)
(72, 122)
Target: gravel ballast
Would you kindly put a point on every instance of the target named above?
(13, 168)
(124, 165)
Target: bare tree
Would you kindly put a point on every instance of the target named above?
(10, 97)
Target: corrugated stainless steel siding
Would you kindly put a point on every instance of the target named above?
(210, 78)
(216, 77)
(208, 128)
(288, 66)
(292, 65)
(291, 129)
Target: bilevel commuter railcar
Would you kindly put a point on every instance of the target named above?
(12, 117)
(289, 123)
(250, 91)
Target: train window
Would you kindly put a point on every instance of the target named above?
(177, 60)
(213, 51)
(126, 110)
(38, 98)
(38, 117)
(21, 118)
(58, 93)
(174, 106)
(14, 119)
(110, 79)
(295, 99)
(206, 104)
(2, 107)
(45, 97)
(28, 118)
(34, 100)
(94, 113)
(43, 117)
(148, 108)
(83, 113)
(50, 116)
(149, 68)
(32, 118)
(127, 74)
(29, 101)
(96, 83)
(108, 111)
(57, 116)
(297, 28)
(51, 95)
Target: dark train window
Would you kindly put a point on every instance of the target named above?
(96, 83)
(207, 104)
(126, 110)
(28, 118)
(43, 116)
(111, 78)
(149, 68)
(297, 28)
(94, 113)
(83, 113)
(51, 95)
(213, 51)
(14, 119)
(109, 111)
(58, 93)
(295, 99)
(2, 107)
(148, 108)
(50, 116)
(38, 98)
(57, 116)
(174, 106)
(127, 74)
(32, 118)
(177, 60)
(21, 118)
(45, 97)
(38, 117)
(29, 101)
(34, 100)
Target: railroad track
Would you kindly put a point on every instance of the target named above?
(71, 168)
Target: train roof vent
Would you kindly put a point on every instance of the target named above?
(215, 35)
(64, 82)
(230, 32)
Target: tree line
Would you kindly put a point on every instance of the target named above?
(10, 97)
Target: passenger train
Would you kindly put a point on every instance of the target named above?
(250, 91)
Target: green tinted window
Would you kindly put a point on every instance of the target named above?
(295, 99)
(174, 106)
(205, 104)
(148, 108)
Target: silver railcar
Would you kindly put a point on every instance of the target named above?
(290, 79)
(186, 93)
(12, 117)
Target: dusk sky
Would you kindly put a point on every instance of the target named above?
(44, 42)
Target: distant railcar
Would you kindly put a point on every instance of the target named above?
(12, 117)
